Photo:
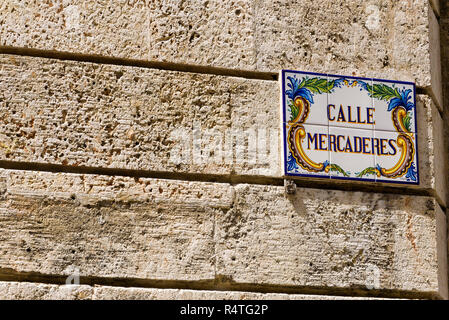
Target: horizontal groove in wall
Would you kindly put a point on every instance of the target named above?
(60, 55)
(170, 66)
(217, 284)
(230, 179)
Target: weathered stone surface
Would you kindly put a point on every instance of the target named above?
(340, 239)
(41, 291)
(444, 23)
(387, 39)
(431, 151)
(117, 28)
(216, 33)
(117, 293)
(369, 38)
(118, 227)
(84, 114)
(381, 39)
(122, 117)
(63, 224)
(447, 232)
(210, 33)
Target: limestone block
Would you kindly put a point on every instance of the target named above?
(112, 27)
(167, 230)
(108, 116)
(84, 114)
(41, 291)
(386, 39)
(117, 293)
(431, 152)
(444, 23)
(106, 226)
(340, 239)
(215, 32)
(380, 39)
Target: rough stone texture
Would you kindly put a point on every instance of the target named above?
(117, 293)
(123, 117)
(369, 38)
(386, 39)
(111, 27)
(84, 114)
(213, 33)
(62, 224)
(447, 233)
(340, 239)
(41, 291)
(117, 227)
(431, 151)
(444, 23)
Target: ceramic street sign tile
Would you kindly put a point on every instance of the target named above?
(350, 152)
(310, 153)
(348, 104)
(342, 127)
(394, 104)
(391, 160)
(304, 90)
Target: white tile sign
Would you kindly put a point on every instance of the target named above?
(341, 127)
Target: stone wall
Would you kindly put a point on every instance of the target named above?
(444, 36)
(140, 152)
